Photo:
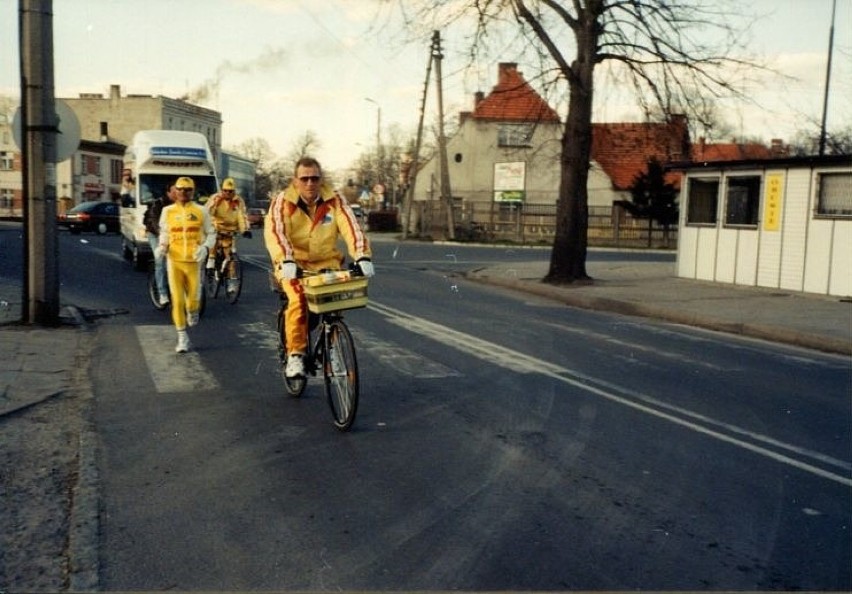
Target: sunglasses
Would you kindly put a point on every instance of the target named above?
(184, 189)
(309, 178)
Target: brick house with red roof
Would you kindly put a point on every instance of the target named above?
(513, 128)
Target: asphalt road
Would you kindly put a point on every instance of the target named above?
(503, 442)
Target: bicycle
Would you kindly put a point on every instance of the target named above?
(227, 270)
(331, 349)
(154, 293)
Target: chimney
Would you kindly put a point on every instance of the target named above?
(104, 132)
(477, 98)
(776, 147)
(115, 92)
(505, 70)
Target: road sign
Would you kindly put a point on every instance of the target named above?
(68, 131)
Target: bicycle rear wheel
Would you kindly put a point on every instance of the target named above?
(294, 385)
(340, 370)
(234, 284)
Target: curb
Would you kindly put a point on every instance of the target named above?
(763, 332)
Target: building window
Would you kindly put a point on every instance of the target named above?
(7, 199)
(7, 160)
(90, 165)
(743, 200)
(518, 135)
(115, 168)
(834, 194)
(702, 200)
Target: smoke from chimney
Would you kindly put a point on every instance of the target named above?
(271, 59)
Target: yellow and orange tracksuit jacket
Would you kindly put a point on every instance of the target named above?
(291, 234)
(229, 215)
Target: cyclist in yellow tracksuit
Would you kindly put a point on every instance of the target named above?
(301, 230)
(186, 237)
(228, 211)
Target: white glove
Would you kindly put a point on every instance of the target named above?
(200, 254)
(288, 270)
(159, 252)
(366, 268)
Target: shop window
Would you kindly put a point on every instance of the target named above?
(742, 202)
(702, 201)
(834, 194)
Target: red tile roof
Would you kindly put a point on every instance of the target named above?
(513, 99)
(730, 151)
(623, 150)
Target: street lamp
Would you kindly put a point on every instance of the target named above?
(378, 144)
(378, 121)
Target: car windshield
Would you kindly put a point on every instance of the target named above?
(154, 186)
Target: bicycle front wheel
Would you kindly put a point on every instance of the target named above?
(340, 370)
(153, 293)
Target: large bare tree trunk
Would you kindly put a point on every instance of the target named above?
(568, 259)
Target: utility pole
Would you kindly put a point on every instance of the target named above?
(39, 128)
(827, 80)
(415, 163)
(446, 192)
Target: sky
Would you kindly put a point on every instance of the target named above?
(342, 69)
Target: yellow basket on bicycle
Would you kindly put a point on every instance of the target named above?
(333, 291)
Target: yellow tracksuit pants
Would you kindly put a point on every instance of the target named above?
(185, 289)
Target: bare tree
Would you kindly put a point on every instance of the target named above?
(662, 49)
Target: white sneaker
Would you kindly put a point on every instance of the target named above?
(295, 366)
(192, 319)
(164, 300)
(183, 344)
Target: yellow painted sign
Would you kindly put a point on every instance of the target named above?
(772, 202)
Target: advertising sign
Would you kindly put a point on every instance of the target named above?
(772, 201)
(510, 181)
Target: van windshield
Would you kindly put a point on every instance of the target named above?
(154, 186)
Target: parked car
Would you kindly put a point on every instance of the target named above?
(100, 217)
(255, 216)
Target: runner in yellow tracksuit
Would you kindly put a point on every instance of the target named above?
(186, 236)
(228, 211)
(301, 230)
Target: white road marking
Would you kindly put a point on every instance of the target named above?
(172, 372)
(522, 363)
(403, 360)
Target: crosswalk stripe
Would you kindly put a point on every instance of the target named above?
(170, 371)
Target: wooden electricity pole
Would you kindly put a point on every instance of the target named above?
(415, 163)
(39, 126)
(446, 192)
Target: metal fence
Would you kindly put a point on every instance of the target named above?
(536, 223)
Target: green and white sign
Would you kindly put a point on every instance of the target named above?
(510, 181)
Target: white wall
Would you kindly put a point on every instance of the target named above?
(806, 253)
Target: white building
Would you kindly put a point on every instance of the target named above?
(777, 223)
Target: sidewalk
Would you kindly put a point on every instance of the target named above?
(652, 290)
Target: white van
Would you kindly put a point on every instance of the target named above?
(154, 159)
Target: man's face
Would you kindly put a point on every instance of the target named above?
(183, 194)
(308, 183)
